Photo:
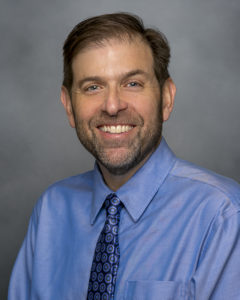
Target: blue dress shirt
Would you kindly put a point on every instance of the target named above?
(179, 235)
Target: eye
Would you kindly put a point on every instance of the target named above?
(133, 84)
(92, 88)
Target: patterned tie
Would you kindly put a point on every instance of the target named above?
(106, 257)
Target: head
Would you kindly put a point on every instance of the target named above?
(116, 89)
(99, 29)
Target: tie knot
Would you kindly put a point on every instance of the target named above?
(113, 205)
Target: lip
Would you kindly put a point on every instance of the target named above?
(116, 136)
(116, 128)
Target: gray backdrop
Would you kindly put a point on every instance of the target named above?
(37, 145)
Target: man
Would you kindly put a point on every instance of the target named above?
(143, 224)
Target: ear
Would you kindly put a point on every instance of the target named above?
(67, 103)
(168, 95)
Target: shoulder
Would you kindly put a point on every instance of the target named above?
(80, 182)
(214, 188)
(67, 192)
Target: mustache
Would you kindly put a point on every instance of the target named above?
(122, 118)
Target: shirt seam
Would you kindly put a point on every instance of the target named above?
(226, 194)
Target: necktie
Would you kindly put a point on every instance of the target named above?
(106, 257)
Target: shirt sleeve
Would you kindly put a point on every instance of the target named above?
(218, 272)
(21, 277)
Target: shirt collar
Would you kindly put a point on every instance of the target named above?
(139, 190)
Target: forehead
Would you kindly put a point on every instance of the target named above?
(113, 57)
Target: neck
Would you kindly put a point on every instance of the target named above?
(114, 182)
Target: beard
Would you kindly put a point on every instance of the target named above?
(116, 157)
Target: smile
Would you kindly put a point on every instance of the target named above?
(116, 129)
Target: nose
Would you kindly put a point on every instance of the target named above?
(113, 103)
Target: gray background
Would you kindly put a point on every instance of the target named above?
(37, 146)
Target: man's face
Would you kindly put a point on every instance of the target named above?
(116, 104)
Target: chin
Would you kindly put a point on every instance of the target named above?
(120, 163)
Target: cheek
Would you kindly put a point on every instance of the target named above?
(148, 109)
(84, 111)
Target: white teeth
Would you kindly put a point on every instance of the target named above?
(113, 129)
(116, 129)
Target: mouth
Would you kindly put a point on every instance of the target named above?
(115, 128)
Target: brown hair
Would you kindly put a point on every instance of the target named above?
(98, 29)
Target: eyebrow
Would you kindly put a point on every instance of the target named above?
(89, 79)
(123, 77)
(135, 72)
